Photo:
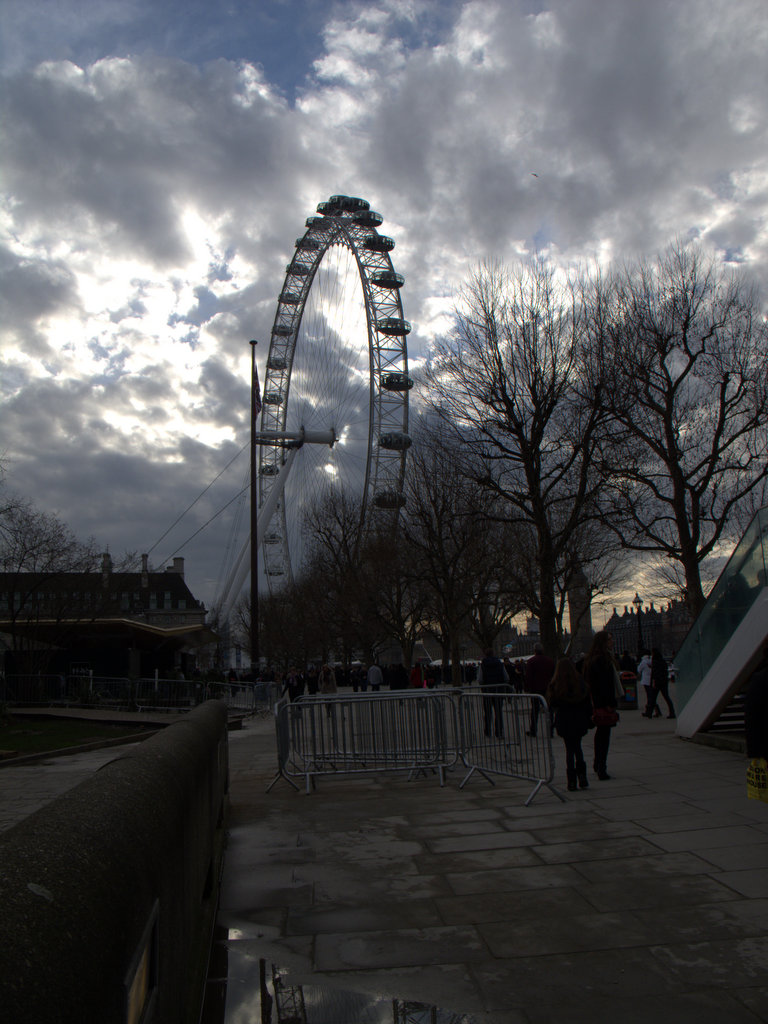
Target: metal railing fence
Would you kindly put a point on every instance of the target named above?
(123, 694)
(496, 733)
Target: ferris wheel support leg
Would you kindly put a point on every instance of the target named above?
(242, 565)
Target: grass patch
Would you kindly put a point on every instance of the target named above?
(40, 735)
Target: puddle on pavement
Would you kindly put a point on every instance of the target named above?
(261, 992)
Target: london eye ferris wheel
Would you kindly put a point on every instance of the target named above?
(336, 383)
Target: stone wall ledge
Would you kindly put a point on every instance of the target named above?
(108, 894)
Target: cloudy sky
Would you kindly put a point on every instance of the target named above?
(159, 158)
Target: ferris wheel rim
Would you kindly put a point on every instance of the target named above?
(348, 222)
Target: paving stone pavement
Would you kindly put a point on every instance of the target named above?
(643, 898)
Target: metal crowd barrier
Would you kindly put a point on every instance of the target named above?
(65, 691)
(507, 734)
(170, 694)
(365, 733)
(416, 731)
(28, 690)
(265, 696)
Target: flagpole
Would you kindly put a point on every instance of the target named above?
(255, 406)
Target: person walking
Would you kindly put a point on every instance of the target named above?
(493, 680)
(569, 698)
(293, 684)
(326, 680)
(375, 677)
(311, 680)
(602, 677)
(326, 686)
(644, 680)
(659, 685)
(539, 670)
(417, 677)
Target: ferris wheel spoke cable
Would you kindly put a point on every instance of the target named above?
(192, 505)
(207, 523)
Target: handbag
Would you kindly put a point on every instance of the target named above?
(757, 779)
(605, 716)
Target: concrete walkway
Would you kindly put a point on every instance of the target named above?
(33, 782)
(643, 898)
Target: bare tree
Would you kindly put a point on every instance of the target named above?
(37, 542)
(498, 590)
(685, 366)
(394, 590)
(334, 532)
(290, 627)
(446, 524)
(36, 551)
(511, 380)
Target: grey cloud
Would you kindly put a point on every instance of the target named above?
(641, 122)
(33, 288)
(627, 112)
(115, 151)
(226, 395)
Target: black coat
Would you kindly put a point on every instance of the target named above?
(572, 717)
(493, 673)
(600, 675)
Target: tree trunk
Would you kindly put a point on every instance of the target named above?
(455, 664)
(548, 610)
(694, 594)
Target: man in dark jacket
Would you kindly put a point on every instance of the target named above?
(493, 680)
(538, 675)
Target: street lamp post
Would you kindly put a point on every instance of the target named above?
(638, 603)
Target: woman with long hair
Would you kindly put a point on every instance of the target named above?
(569, 698)
(602, 677)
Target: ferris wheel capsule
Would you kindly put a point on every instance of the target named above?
(387, 279)
(396, 381)
(379, 243)
(393, 325)
(395, 441)
(368, 218)
(389, 500)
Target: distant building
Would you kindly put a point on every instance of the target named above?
(650, 627)
(580, 614)
(110, 623)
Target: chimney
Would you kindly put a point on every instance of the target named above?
(177, 567)
(145, 571)
(106, 567)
